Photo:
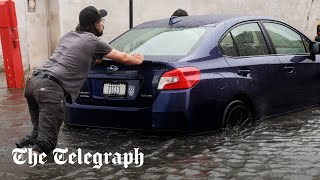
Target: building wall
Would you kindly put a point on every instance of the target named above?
(116, 21)
(40, 31)
(54, 28)
(295, 14)
(38, 34)
(144, 10)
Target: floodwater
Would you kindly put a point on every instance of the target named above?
(284, 147)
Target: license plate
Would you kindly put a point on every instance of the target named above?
(114, 89)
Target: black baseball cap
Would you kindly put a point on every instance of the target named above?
(90, 15)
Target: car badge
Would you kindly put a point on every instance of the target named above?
(112, 68)
(131, 90)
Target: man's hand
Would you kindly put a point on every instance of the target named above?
(138, 56)
(124, 58)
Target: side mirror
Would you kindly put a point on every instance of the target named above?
(315, 48)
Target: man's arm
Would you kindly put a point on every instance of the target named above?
(125, 58)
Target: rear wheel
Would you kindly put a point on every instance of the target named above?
(237, 113)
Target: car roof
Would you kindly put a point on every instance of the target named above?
(201, 20)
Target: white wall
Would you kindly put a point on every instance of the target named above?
(37, 25)
(314, 18)
(22, 16)
(294, 13)
(40, 31)
(116, 21)
(144, 10)
(54, 28)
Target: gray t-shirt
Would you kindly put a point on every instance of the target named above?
(73, 58)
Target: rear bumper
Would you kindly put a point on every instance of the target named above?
(124, 118)
(171, 111)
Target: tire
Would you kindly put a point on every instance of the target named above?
(237, 113)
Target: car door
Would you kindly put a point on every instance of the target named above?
(301, 72)
(258, 74)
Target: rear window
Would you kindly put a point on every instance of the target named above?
(160, 42)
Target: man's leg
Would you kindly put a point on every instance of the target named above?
(50, 97)
(34, 113)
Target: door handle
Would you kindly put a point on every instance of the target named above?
(289, 69)
(244, 72)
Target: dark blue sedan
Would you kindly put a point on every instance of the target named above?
(201, 73)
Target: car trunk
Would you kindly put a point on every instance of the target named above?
(114, 84)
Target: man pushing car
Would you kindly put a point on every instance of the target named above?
(62, 76)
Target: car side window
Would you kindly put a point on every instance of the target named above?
(306, 45)
(249, 40)
(285, 40)
(227, 46)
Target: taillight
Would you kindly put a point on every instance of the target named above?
(180, 78)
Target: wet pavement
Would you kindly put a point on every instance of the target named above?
(285, 147)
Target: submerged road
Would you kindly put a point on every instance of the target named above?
(284, 147)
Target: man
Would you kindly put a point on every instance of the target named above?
(62, 76)
(180, 12)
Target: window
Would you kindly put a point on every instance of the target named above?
(227, 46)
(249, 40)
(160, 41)
(306, 45)
(285, 40)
